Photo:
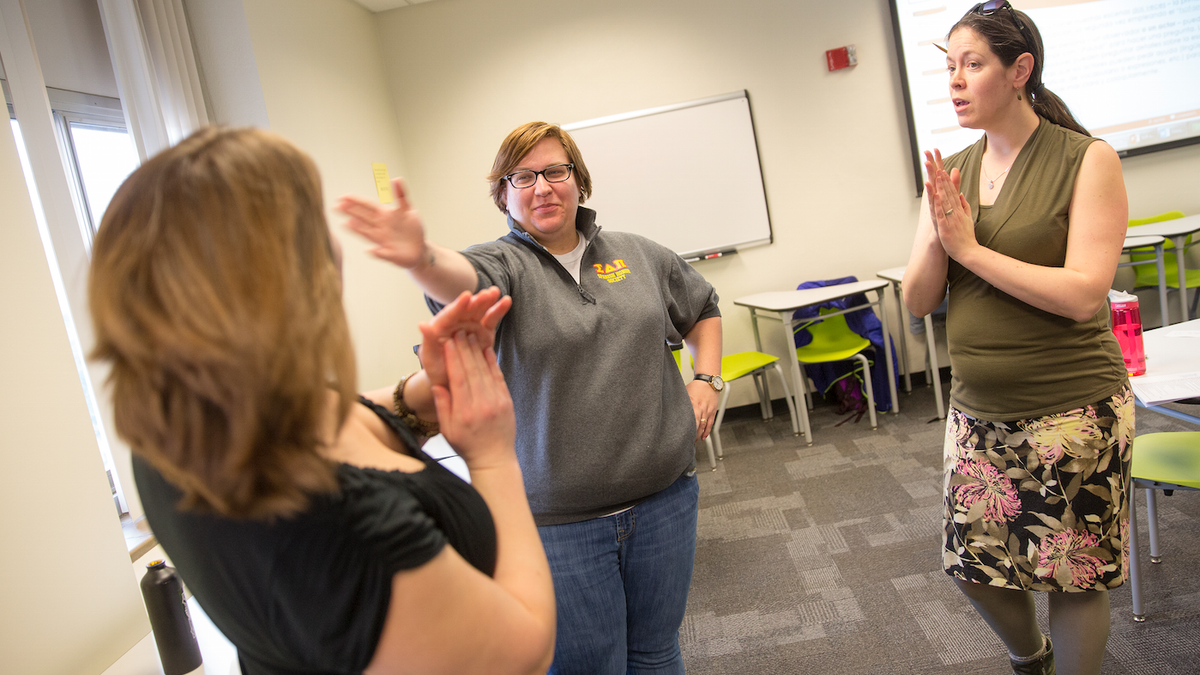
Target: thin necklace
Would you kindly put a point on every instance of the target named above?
(992, 181)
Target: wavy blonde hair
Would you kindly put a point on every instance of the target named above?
(217, 302)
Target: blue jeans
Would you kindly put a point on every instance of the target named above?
(621, 585)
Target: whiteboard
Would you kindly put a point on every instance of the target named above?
(686, 176)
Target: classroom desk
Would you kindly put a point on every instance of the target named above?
(779, 306)
(1156, 241)
(895, 275)
(1171, 359)
(1177, 231)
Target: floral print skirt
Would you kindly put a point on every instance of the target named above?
(1040, 504)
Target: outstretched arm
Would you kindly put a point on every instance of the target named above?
(399, 237)
(1098, 221)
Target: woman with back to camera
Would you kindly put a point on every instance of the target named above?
(605, 426)
(1026, 227)
(310, 526)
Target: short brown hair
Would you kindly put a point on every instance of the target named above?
(216, 299)
(518, 143)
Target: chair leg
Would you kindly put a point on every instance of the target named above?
(1195, 301)
(808, 402)
(1152, 517)
(1135, 578)
(791, 402)
(716, 430)
(764, 402)
(712, 460)
(870, 390)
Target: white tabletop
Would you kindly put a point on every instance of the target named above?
(1170, 228)
(1172, 364)
(782, 301)
(895, 274)
(1140, 240)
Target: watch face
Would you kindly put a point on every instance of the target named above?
(718, 383)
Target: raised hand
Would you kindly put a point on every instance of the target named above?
(475, 410)
(397, 233)
(474, 315)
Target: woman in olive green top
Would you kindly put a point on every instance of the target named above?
(1025, 228)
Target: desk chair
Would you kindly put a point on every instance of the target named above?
(737, 366)
(832, 340)
(1165, 461)
(1147, 275)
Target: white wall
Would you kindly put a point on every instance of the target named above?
(431, 90)
(323, 78)
(69, 604)
(71, 47)
(834, 146)
(225, 55)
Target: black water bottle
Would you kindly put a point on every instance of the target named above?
(163, 592)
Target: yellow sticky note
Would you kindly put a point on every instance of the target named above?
(382, 184)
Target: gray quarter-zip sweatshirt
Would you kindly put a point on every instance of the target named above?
(603, 418)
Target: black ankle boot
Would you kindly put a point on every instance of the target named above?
(1041, 663)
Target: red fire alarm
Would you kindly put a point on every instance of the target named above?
(842, 57)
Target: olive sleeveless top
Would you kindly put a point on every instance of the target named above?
(1011, 360)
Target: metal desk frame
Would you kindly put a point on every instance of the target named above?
(779, 306)
(1156, 241)
(895, 276)
(1177, 231)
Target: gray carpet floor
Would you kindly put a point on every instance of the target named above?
(826, 558)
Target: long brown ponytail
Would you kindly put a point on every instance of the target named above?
(1007, 43)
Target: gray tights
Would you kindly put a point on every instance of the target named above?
(1079, 624)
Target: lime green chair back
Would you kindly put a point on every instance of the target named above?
(1147, 275)
(832, 340)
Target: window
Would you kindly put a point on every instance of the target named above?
(100, 154)
(92, 134)
(104, 157)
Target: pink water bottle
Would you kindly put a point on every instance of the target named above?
(1127, 326)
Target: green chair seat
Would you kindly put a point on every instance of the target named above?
(1165, 461)
(744, 363)
(1168, 457)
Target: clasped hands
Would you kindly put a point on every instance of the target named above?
(948, 208)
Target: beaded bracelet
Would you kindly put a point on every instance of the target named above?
(420, 426)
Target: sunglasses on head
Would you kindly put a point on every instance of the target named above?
(992, 6)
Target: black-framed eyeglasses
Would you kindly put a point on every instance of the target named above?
(526, 178)
(992, 6)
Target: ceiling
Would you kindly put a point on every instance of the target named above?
(384, 5)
